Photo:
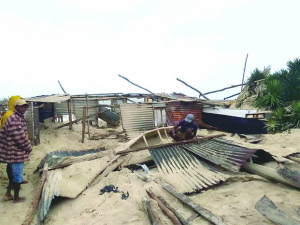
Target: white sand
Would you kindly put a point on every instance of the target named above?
(234, 201)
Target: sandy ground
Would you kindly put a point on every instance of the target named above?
(234, 201)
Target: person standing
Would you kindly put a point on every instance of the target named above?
(188, 129)
(14, 149)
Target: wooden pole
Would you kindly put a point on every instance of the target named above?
(152, 215)
(70, 114)
(176, 213)
(87, 114)
(269, 173)
(232, 86)
(83, 124)
(170, 144)
(244, 71)
(74, 109)
(135, 84)
(164, 209)
(231, 96)
(38, 195)
(62, 88)
(185, 199)
(193, 89)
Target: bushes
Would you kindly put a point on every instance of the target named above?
(279, 92)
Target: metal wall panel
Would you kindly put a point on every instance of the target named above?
(136, 118)
(179, 110)
(33, 126)
(160, 116)
(183, 170)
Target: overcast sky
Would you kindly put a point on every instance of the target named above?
(86, 44)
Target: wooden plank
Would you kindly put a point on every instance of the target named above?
(267, 208)
(185, 199)
(38, 195)
(74, 121)
(171, 144)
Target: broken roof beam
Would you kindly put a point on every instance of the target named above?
(231, 96)
(170, 144)
(232, 86)
(135, 84)
(193, 89)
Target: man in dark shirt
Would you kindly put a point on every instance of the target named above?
(188, 129)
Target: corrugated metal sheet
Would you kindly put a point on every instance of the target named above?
(50, 190)
(136, 118)
(183, 170)
(49, 98)
(179, 110)
(109, 116)
(117, 102)
(221, 152)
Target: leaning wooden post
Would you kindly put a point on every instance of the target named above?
(70, 114)
(244, 71)
(83, 124)
(38, 195)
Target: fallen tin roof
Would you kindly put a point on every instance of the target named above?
(183, 170)
(221, 152)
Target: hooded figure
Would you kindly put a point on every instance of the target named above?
(11, 109)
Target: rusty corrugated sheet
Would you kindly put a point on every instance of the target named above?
(179, 110)
(183, 171)
(221, 152)
(137, 118)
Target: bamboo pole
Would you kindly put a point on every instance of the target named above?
(38, 195)
(87, 113)
(193, 89)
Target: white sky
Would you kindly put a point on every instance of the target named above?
(86, 44)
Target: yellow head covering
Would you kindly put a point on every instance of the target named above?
(11, 109)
